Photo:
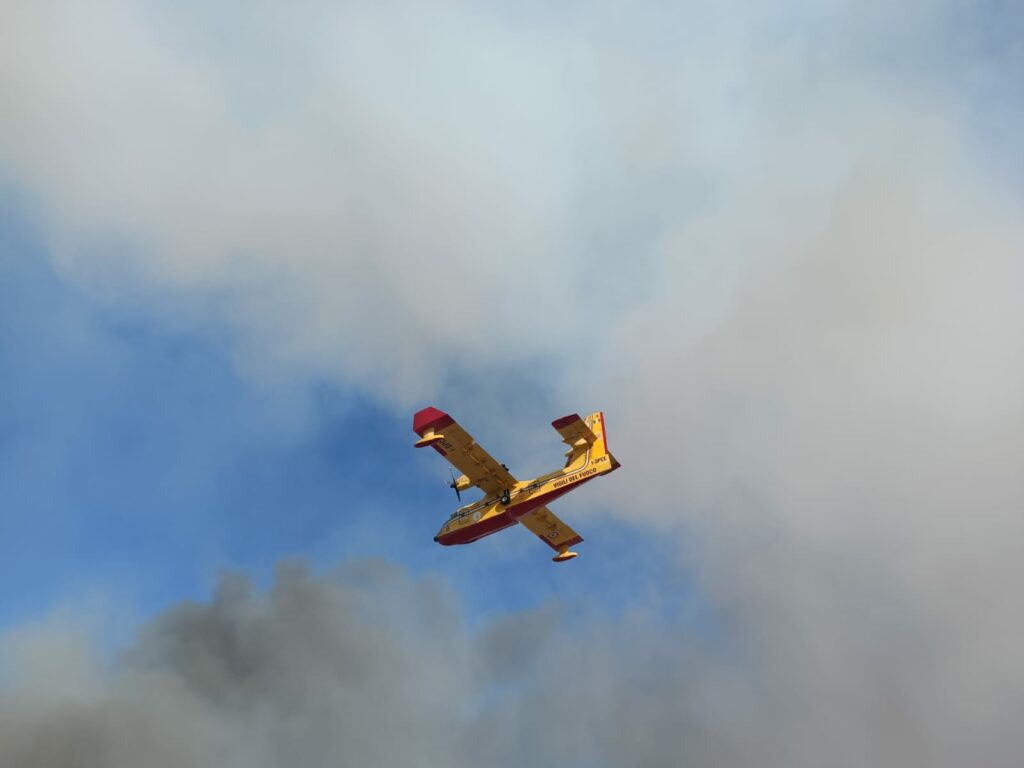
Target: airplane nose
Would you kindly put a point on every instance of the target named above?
(435, 538)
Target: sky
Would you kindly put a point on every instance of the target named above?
(779, 245)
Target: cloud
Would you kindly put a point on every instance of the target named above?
(360, 213)
(381, 193)
(841, 437)
(368, 666)
(364, 666)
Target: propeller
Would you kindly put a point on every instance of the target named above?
(455, 485)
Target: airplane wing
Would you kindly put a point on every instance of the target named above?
(548, 527)
(440, 431)
(575, 433)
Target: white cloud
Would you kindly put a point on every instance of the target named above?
(843, 440)
(396, 201)
(376, 191)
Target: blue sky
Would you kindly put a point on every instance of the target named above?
(138, 462)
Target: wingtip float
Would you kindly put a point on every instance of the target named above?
(508, 501)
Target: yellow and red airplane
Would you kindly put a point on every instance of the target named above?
(508, 501)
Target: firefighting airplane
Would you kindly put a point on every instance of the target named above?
(508, 501)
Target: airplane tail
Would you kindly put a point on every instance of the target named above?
(586, 435)
(599, 447)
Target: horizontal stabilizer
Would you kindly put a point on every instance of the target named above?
(573, 429)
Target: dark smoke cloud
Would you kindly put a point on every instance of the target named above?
(364, 667)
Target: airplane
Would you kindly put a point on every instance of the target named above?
(508, 501)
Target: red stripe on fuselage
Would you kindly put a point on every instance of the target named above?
(469, 533)
(526, 507)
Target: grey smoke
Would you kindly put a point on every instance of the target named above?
(361, 667)
(845, 445)
(365, 666)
